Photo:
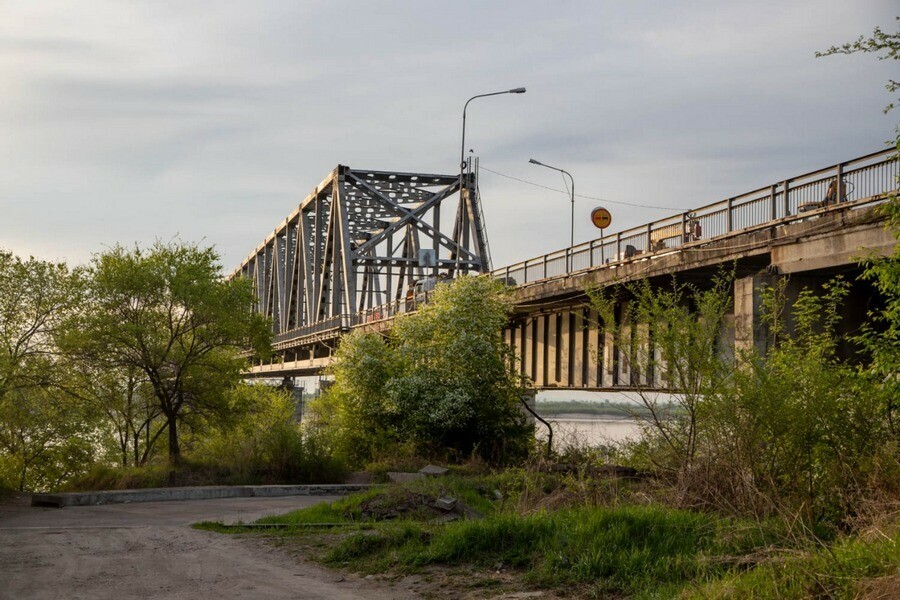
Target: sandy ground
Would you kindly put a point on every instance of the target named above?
(148, 550)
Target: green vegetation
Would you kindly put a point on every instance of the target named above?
(440, 385)
(97, 364)
(585, 548)
(46, 436)
(164, 321)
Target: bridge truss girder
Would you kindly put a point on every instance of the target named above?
(354, 243)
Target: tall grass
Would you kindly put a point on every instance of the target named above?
(625, 550)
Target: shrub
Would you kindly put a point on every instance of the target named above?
(441, 385)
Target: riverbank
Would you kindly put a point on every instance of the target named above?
(550, 535)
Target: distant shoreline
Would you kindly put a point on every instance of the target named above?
(591, 417)
(590, 410)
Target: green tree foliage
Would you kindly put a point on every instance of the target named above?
(799, 428)
(443, 381)
(885, 45)
(669, 338)
(793, 431)
(166, 313)
(132, 418)
(46, 438)
(881, 336)
(266, 443)
(44, 432)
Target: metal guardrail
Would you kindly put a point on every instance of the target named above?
(335, 326)
(870, 176)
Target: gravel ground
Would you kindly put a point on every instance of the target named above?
(148, 550)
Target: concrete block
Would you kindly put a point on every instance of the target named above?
(433, 471)
(446, 503)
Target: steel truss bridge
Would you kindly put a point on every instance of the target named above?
(349, 256)
(360, 241)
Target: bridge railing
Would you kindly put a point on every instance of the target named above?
(868, 177)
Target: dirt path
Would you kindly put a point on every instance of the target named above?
(148, 550)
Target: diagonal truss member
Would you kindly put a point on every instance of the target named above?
(354, 243)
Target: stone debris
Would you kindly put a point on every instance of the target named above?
(447, 503)
(433, 471)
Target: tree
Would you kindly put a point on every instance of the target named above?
(43, 431)
(46, 437)
(886, 45)
(669, 337)
(35, 299)
(881, 337)
(166, 313)
(124, 397)
(442, 381)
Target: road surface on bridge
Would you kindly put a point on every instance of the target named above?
(149, 550)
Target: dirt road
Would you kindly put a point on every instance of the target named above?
(148, 550)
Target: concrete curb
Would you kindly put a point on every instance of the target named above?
(192, 493)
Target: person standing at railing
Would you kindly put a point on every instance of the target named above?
(692, 229)
(831, 194)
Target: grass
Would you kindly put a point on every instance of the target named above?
(632, 550)
(408, 502)
(843, 570)
(620, 550)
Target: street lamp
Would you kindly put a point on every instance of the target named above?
(572, 234)
(462, 148)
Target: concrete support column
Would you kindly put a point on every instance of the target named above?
(528, 350)
(577, 333)
(641, 352)
(593, 355)
(552, 349)
(562, 347)
(540, 367)
(749, 330)
(509, 339)
(624, 353)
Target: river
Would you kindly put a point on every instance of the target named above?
(588, 430)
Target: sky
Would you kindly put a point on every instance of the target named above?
(126, 121)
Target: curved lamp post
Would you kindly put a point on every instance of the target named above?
(462, 148)
(572, 234)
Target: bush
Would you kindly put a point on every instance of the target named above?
(796, 432)
(441, 385)
(267, 445)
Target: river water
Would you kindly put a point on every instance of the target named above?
(588, 430)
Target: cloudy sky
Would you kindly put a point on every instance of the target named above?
(126, 121)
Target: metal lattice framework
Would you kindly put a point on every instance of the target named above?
(354, 243)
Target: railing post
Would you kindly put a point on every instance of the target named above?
(684, 231)
(787, 205)
(618, 245)
(648, 247)
(545, 267)
(773, 209)
(729, 221)
(591, 254)
(839, 184)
